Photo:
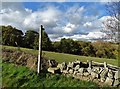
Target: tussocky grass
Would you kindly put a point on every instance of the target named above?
(20, 76)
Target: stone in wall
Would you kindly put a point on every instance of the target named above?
(70, 65)
(117, 78)
(89, 70)
(79, 74)
(77, 62)
(86, 74)
(101, 69)
(90, 64)
(52, 63)
(105, 65)
(81, 70)
(75, 72)
(65, 71)
(103, 74)
(94, 75)
(109, 81)
(110, 74)
(54, 70)
(99, 73)
(77, 67)
(62, 66)
(71, 71)
(96, 69)
(116, 82)
(117, 75)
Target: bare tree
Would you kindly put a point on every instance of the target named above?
(112, 23)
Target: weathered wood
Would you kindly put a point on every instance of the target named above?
(40, 51)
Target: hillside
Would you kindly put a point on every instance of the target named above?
(60, 57)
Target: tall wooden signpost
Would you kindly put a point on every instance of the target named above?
(40, 49)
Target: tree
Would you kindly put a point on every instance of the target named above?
(87, 49)
(112, 23)
(56, 46)
(103, 49)
(36, 42)
(11, 36)
(46, 42)
(69, 46)
(30, 39)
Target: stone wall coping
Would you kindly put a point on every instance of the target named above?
(108, 65)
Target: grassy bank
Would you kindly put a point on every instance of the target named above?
(60, 57)
(19, 76)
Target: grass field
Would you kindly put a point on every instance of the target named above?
(62, 57)
(20, 76)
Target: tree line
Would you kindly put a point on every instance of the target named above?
(15, 37)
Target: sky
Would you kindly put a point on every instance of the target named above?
(75, 20)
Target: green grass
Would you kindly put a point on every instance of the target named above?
(20, 76)
(62, 57)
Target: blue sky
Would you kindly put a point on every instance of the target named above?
(64, 5)
(75, 20)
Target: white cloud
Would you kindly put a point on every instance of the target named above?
(69, 28)
(26, 19)
(96, 24)
(87, 24)
(13, 17)
(104, 18)
(58, 24)
(75, 14)
(48, 18)
(90, 36)
(95, 35)
(28, 10)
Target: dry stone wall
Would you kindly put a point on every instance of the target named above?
(103, 73)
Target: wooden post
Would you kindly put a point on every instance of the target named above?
(40, 50)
